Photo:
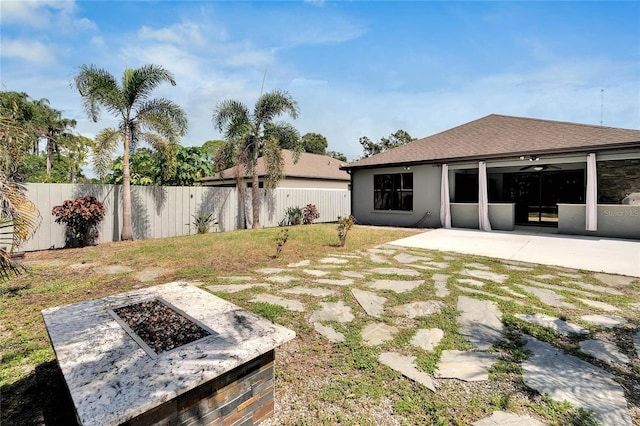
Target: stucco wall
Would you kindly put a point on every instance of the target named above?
(616, 179)
(617, 221)
(426, 198)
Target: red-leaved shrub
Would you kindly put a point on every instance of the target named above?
(81, 216)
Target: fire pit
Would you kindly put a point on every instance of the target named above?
(167, 354)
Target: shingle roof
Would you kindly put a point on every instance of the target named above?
(499, 136)
(309, 166)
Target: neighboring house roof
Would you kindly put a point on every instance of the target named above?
(500, 136)
(309, 166)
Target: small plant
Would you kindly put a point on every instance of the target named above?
(281, 240)
(203, 222)
(268, 310)
(344, 225)
(292, 216)
(82, 217)
(310, 213)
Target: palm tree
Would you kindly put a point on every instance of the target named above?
(159, 122)
(246, 130)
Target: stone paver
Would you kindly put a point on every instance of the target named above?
(518, 268)
(372, 304)
(334, 260)
(615, 280)
(281, 279)
(405, 365)
(375, 258)
(511, 291)
(545, 277)
(315, 272)
(310, 291)
(566, 378)
(486, 275)
(471, 281)
(599, 305)
(470, 366)
(440, 284)
(570, 275)
(387, 252)
(548, 297)
(427, 339)
(437, 265)
(395, 271)
(399, 286)
(480, 321)
(418, 309)
(288, 304)
(353, 274)
(378, 333)
(329, 332)
(81, 266)
(556, 324)
(598, 288)
(409, 258)
(112, 269)
(299, 264)
(608, 321)
(269, 271)
(149, 274)
(346, 281)
(604, 351)
(562, 288)
(238, 278)
(486, 293)
(474, 265)
(502, 418)
(233, 288)
(332, 311)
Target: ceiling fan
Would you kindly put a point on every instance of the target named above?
(540, 167)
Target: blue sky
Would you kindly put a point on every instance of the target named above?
(356, 68)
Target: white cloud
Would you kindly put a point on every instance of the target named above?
(53, 15)
(186, 33)
(28, 50)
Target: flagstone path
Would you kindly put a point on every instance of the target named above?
(342, 291)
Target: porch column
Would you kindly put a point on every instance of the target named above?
(592, 194)
(483, 198)
(445, 208)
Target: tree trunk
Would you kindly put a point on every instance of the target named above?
(49, 155)
(126, 234)
(255, 198)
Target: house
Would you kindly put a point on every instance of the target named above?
(501, 172)
(311, 171)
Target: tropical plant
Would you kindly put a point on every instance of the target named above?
(344, 225)
(281, 240)
(310, 214)
(203, 222)
(247, 131)
(82, 217)
(159, 122)
(292, 216)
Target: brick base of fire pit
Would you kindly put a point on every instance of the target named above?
(225, 377)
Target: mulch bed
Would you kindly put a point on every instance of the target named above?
(159, 326)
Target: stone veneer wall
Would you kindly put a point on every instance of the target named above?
(616, 179)
(243, 396)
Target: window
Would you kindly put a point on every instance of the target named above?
(393, 192)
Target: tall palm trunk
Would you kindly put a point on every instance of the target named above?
(255, 192)
(126, 233)
(49, 155)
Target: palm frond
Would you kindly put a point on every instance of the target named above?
(166, 150)
(287, 137)
(162, 116)
(137, 84)
(274, 163)
(105, 144)
(275, 103)
(232, 117)
(16, 208)
(98, 88)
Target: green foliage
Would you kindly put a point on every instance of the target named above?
(394, 140)
(281, 240)
(344, 225)
(292, 216)
(203, 222)
(314, 143)
(81, 216)
(310, 214)
(268, 310)
(338, 156)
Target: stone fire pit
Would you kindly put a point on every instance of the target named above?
(224, 375)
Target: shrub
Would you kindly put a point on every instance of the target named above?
(281, 240)
(310, 213)
(344, 225)
(82, 217)
(203, 222)
(292, 216)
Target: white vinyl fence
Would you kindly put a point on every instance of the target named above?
(160, 212)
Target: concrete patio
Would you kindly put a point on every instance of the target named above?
(608, 255)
